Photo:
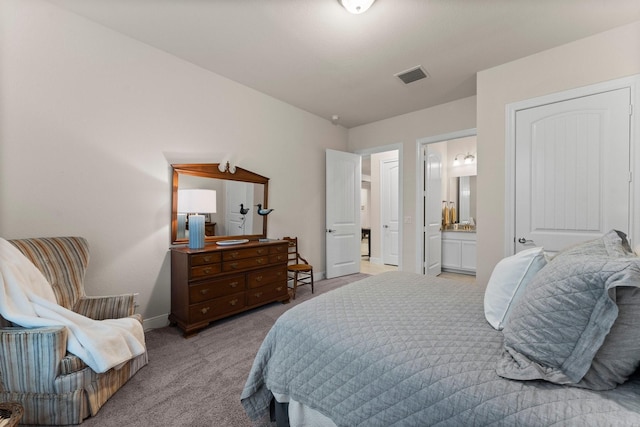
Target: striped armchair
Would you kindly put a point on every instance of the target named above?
(53, 386)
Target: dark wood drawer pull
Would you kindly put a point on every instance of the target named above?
(258, 278)
(233, 302)
(234, 265)
(204, 291)
(208, 258)
(260, 261)
(260, 251)
(206, 271)
(204, 310)
(233, 284)
(279, 288)
(258, 294)
(234, 254)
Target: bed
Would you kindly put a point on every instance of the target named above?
(402, 349)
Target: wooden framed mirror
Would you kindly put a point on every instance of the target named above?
(235, 188)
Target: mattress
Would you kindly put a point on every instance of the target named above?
(401, 349)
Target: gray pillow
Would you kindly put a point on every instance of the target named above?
(619, 355)
(567, 311)
(614, 244)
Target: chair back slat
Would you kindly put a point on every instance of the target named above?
(293, 257)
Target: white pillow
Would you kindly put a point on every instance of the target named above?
(508, 281)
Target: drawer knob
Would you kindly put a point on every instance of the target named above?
(260, 260)
(204, 291)
(258, 294)
(233, 284)
(234, 265)
(279, 273)
(279, 288)
(258, 278)
(207, 270)
(260, 251)
(233, 302)
(208, 258)
(234, 254)
(204, 310)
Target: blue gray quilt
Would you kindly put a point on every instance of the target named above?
(401, 349)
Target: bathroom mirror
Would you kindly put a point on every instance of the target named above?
(462, 191)
(238, 191)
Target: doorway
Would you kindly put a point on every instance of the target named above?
(381, 211)
(447, 234)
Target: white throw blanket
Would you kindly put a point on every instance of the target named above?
(27, 299)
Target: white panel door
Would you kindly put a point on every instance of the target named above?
(343, 232)
(390, 212)
(433, 212)
(572, 170)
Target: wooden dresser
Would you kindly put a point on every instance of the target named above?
(219, 281)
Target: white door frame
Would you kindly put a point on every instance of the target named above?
(633, 83)
(382, 149)
(420, 225)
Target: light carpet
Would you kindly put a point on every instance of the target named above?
(198, 381)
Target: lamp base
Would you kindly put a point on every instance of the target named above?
(196, 231)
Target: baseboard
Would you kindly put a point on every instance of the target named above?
(155, 322)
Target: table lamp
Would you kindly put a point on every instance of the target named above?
(194, 202)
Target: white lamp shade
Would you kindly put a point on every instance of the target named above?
(356, 6)
(196, 201)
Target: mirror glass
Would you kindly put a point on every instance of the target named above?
(462, 192)
(237, 197)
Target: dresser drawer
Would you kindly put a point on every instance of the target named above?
(266, 293)
(245, 253)
(280, 249)
(267, 276)
(215, 288)
(205, 270)
(243, 264)
(278, 258)
(208, 258)
(216, 307)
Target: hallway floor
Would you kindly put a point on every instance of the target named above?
(369, 268)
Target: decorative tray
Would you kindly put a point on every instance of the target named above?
(231, 242)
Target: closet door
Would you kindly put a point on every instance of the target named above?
(572, 170)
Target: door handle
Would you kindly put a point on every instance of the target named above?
(330, 230)
(385, 226)
(524, 241)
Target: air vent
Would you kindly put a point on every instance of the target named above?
(412, 75)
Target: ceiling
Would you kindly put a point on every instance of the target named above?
(316, 56)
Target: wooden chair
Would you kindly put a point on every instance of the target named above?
(10, 414)
(299, 269)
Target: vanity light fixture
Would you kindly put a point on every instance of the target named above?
(466, 158)
(193, 202)
(226, 168)
(356, 6)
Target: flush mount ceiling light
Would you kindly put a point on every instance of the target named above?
(356, 6)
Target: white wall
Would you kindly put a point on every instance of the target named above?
(408, 129)
(90, 121)
(605, 56)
